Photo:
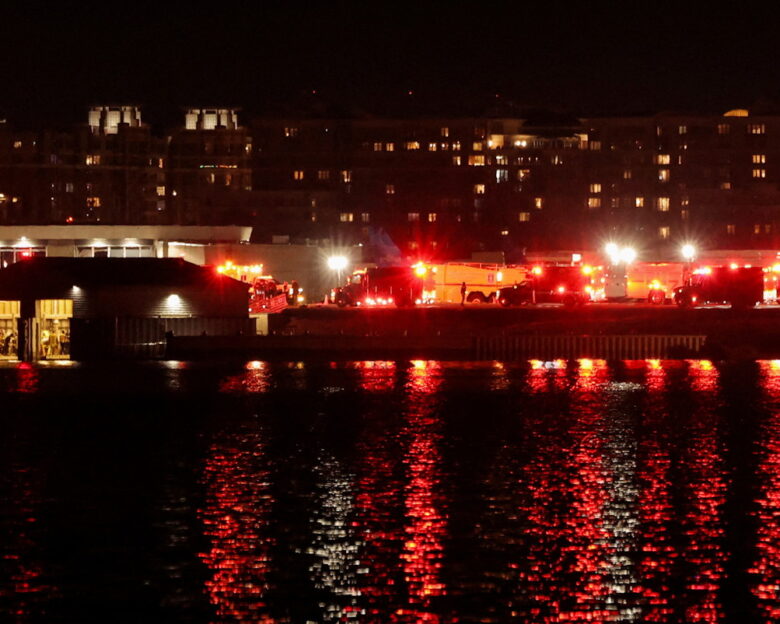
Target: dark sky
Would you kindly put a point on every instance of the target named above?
(583, 57)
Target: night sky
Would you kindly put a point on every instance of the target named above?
(288, 57)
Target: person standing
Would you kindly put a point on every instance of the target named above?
(462, 293)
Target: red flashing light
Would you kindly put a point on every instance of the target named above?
(26, 254)
(537, 270)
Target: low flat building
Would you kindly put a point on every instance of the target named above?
(62, 308)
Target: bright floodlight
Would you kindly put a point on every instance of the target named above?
(611, 249)
(337, 263)
(688, 251)
(628, 254)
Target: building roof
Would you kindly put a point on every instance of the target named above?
(59, 273)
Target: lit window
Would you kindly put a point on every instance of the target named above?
(445, 132)
(291, 132)
(17, 144)
(759, 173)
(502, 175)
(390, 189)
(476, 160)
(160, 191)
(767, 228)
(614, 202)
(93, 202)
(479, 189)
(456, 161)
(432, 147)
(725, 186)
(682, 129)
(323, 174)
(627, 174)
(662, 159)
(595, 188)
(346, 217)
(68, 187)
(413, 245)
(639, 202)
(663, 175)
(594, 202)
(662, 203)
(313, 217)
(412, 145)
(523, 216)
(413, 216)
(522, 174)
(456, 146)
(93, 159)
(390, 147)
(757, 228)
(759, 159)
(756, 129)
(365, 217)
(504, 232)
(477, 146)
(501, 160)
(538, 201)
(377, 147)
(724, 128)
(685, 215)
(595, 145)
(346, 176)
(298, 174)
(664, 232)
(731, 229)
(432, 217)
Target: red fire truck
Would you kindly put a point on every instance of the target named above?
(742, 287)
(569, 285)
(380, 286)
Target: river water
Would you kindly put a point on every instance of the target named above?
(636, 491)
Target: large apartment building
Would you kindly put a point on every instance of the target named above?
(441, 187)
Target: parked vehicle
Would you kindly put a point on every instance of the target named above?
(742, 287)
(380, 286)
(569, 285)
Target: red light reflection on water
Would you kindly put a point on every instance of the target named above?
(425, 524)
(705, 481)
(376, 376)
(254, 380)
(27, 378)
(765, 571)
(235, 516)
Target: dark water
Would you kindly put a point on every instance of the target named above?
(391, 492)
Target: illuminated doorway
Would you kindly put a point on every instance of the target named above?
(53, 328)
(9, 326)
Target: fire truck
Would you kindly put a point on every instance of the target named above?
(265, 293)
(653, 282)
(380, 286)
(569, 285)
(443, 282)
(742, 287)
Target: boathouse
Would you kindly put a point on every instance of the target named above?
(63, 308)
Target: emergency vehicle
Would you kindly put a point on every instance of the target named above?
(265, 293)
(742, 287)
(443, 282)
(569, 285)
(653, 282)
(380, 286)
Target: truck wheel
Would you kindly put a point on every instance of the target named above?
(656, 297)
(683, 302)
(475, 297)
(504, 302)
(341, 301)
(570, 301)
